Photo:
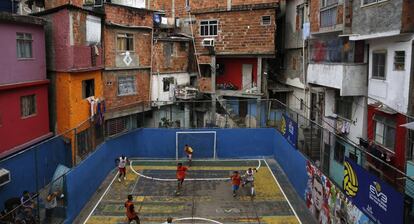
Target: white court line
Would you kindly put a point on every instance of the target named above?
(190, 179)
(185, 158)
(100, 199)
(198, 218)
(277, 182)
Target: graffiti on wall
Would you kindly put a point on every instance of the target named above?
(333, 50)
(327, 203)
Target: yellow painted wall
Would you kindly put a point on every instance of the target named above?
(72, 110)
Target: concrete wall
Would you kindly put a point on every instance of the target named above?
(13, 69)
(350, 79)
(293, 32)
(394, 90)
(157, 85)
(292, 74)
(14, 129)
(68, 48)
(365, 20)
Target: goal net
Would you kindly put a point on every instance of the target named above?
(202, 142)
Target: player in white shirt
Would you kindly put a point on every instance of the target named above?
(122, 163)
(249, 179)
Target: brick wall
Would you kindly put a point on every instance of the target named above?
(142, 46)
(314, 15)
(240, 32)
(177, 62)
(128, 15)
(115, 102)
(56, 3)
(407, 18)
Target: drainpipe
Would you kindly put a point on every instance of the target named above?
(151, 60)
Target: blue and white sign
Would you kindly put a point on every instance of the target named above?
(378, 200)
(289, 129)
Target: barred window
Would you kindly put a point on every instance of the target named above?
(126, 85)
(208, 27)
(24, 45)
(28, 105)
(399, 60)
(125, 42)
(385, 130)
(379, 60)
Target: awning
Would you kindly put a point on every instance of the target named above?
(408, 125)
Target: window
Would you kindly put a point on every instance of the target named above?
(328, 16)
(378, 64)
(166, 82)
(385, 131)
(343, 106)
(125, 42)
(326, 3)
(208, 27)
(126, 85)
(93, 29)
(399, 60)
(88, 88)
(339, 152)
(28, 105)
(369, 2)
(117, 125)
(300, 17)
(24, 45)
(169, 49)
(266, 20)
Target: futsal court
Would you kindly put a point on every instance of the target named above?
(206, 196)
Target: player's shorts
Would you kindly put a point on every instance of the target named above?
(249, 181)
(235, 187)
(130, 219)
(122, 170)
(189, 156)
(180, 179)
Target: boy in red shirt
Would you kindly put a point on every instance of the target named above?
(235, 182)
(130, 211)
(181, 171)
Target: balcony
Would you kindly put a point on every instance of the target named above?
(185, 92)
(349, 78)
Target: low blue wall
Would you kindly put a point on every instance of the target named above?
(82, 181)
(33, 168)
(292, 162)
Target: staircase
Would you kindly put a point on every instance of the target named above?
(312, 146)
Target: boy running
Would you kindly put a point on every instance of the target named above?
(130, 211)
(122, 162)
(189, 151)
(235, 182)
(181, 171)
(249, 178)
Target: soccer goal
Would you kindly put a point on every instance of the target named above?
(202, 142)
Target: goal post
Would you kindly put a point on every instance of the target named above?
(203, 143)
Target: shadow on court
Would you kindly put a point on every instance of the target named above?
(206, 197)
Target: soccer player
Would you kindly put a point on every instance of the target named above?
(130, 211)
(122, 162)
(235, 182)
(249, 178)
(181, 171)
(189, 151)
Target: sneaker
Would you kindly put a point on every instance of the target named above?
(124, 178)
(119, 179)
(234, 195)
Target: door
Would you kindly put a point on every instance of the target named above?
(247, 73)
(313, 107)
(242, 108)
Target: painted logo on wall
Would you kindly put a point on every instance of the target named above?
(350, 180)
(378, 200)
(289, 130)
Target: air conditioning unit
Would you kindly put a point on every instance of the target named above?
(208, 42)
(4, 176)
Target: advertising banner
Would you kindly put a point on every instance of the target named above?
(289, 129)
(378, 200)
(327, 203)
